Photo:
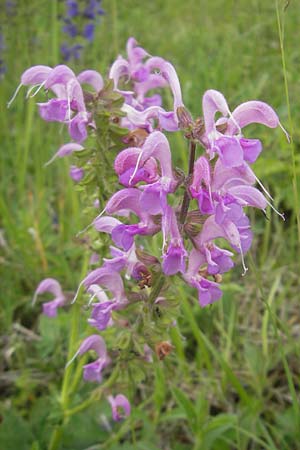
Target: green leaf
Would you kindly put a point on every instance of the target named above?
(188, 407)
(15, 433)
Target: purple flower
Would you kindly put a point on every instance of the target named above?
(125, 201)
(55, 110)
(125, 167)
(231, 147)
(120, 407)
(68, 52)
(76, 173)
(175, 253)
(77, 127)
(53, 287)
(201, 186)
(72, 8)
(93, 9)
(107, 278)
(208, 291)
(66, 150)
(88, 32)
(70, 28)
(92, 78)
(93, 370)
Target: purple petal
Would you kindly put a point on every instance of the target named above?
(106, 224)
(126, 199)
(93, 342)
(77, 127)
(35, 75)
(174, 259)
(66, 150)
(230, 151)
(59, 75)
(76, 173)
(119, 68)
(92, 78)
(55, 110)
(122, 236)
(169, 73)
(49, 285)
(213, 102)
(252, 148)
(231, 176)
(250, 195)
(50, 308)
(120, 407)
(253, 112)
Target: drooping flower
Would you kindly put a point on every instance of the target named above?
(208, 291)
(120, 407)
(174, 253)
(232, 148)
(53, 287)
(93, 371)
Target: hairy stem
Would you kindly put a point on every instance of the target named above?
(186, 199)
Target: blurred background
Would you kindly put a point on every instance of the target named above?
(233, 379)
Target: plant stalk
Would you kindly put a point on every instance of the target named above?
(186, 199)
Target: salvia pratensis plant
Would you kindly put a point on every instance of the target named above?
(117, 126)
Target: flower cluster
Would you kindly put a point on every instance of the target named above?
(199, 216)
(3, 67)
(79, 25)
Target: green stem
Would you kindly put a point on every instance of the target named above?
(186, 199)
(65, 391)
(291, 126)
(95, 395)
(115, 26)
(54, 31)
(157, 287)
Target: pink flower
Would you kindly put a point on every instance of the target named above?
(120, 407)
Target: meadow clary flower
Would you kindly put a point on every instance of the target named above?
(120, 407)
(208, 291)
(128, 200)
(125, 164)
(93, 370)
(154, 198)
(76, 173)
(232, 148)
(174, 253)
(53, 287)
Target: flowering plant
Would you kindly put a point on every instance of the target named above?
(162, 222)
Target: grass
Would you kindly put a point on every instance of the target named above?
(233, 380)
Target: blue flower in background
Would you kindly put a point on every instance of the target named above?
(3, 67)
(79, 22)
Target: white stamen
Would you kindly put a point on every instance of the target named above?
(243, 261)
(34, 299)
(274, 209)
(69, 105)
(285, 132)
(235, 123)
(263, 188)
(31, 89)
(14, 95)
(50, 160)
(91, 224)
(72, 359)
(38, 89)
(136, 167)
(77, 293)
